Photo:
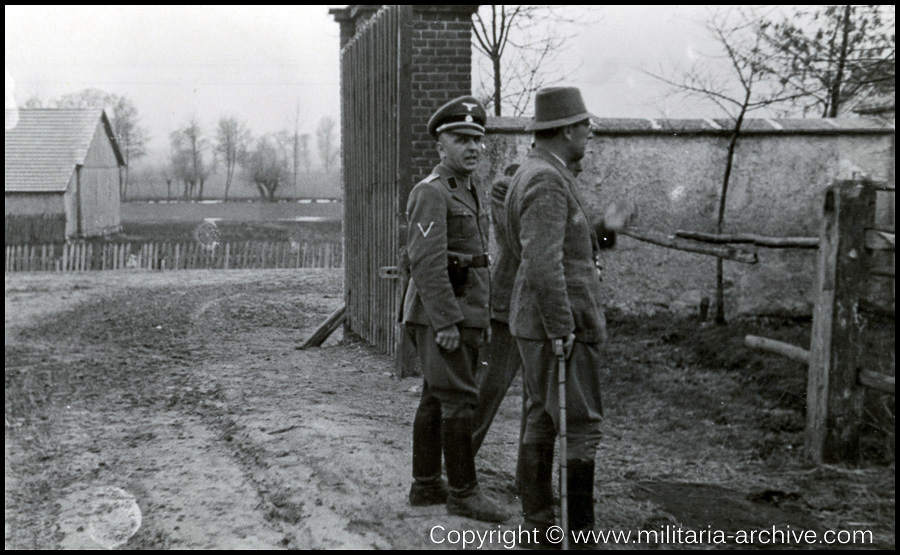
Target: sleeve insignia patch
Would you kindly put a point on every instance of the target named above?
(425, 231)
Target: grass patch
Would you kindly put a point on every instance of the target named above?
(754, 400)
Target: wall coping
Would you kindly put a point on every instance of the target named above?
(354, 11)
(709, 126)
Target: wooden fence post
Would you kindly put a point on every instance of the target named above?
(833, 395)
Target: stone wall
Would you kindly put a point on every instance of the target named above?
(672, 170)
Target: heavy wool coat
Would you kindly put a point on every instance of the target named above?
(556, 289)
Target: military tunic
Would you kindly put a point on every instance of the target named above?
(445, 223)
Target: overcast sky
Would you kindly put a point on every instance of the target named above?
(258, 63)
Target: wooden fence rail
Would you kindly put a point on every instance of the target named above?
(89, 256)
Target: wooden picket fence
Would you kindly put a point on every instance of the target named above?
(91, 256)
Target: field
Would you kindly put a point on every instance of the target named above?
(141, 212)
(184, 390)
(311, 222)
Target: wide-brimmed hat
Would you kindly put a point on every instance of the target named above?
(557, 107)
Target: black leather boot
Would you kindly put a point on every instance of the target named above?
(537, 496)
(580, 480)
(465, 498)
(428, 488)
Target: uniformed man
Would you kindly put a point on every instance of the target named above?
(447, 314)
(556, 299)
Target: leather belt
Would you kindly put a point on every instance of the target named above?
(479, 261)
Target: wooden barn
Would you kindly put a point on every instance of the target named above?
(62, 176)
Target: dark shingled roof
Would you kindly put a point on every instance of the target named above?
(45, 146)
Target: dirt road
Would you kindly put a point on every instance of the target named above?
(178, 398)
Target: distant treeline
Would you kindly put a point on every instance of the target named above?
(150, 183)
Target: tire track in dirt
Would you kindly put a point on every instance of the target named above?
(327, 441)
(300, 494)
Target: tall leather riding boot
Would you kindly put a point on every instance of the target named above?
(581, 500)
(465, 498)
(428, 488)
(537, 496)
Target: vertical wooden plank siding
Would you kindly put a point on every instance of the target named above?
(373, 152)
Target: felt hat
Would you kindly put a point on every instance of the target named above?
(557, 107)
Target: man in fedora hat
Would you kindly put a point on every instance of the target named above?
(503, 353)
(556, 297)
(446, 311)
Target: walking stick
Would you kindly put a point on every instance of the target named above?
(563, 447)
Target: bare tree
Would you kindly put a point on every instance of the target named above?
(168, 177)
(298, 145)
(326, 140)
(748, 85)
(87, 98)
(34, 101)
(832, 55)
(132, 138)
(304, 152)
(232, 140)
(123, 116)
(520, 43)
(188, 156)
(268, 165)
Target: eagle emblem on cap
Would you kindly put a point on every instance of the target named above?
(453, 117)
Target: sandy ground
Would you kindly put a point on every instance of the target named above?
(172, 410)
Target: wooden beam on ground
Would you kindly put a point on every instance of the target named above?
(751, 238)
(792, 352)
(728, 252)
(326, 329)
(877, 380)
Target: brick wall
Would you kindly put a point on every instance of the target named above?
(441, 70)
(441, 66)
